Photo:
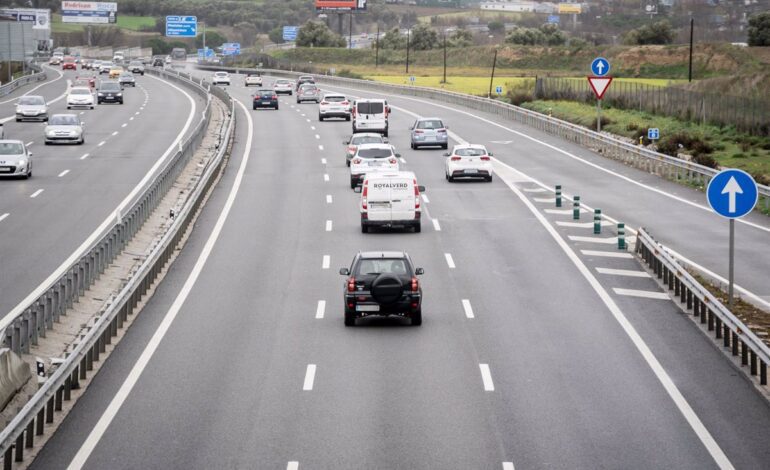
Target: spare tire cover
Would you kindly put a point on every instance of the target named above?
(387, 289)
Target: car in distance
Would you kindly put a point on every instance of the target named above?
(252, 79)
(429, 132)
(127, 79)
(158, 62)
(308, 92)
(136, 66)
(468, 161)
(105, 66)
(265, 98)
(372, 158)
(55, 60)
(80, 96)
(334, 105)
(109, 92)
(390, 200)
(69, 63)
(382, 283)
(359, 139)
(15, 159)
(64, 128)
(282, 86)
(31, 108)
(305, 79)
(371, 115)
(116, 71)
(220, 78)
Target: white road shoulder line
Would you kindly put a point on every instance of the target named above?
(425, 198)
(328, 225)
(622, 272)
(467, 308)
(320, 309)
(641, 293)
(607, 254)
(293, 465)
(3, 217)
(508, 466)
(63, 173)
(36, 193)
(436, 225)
(309, 377)
(486, 377)
(449, 260)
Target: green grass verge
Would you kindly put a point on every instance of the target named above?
(729, 147)
(133, 23)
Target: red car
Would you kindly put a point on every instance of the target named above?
(69, 63)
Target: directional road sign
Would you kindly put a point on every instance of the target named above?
(732, 193)
(231, 48)
(600, 67)
(553, 19)
(499, 90)
(653, 133)
(411, 79)
(181, 26)
(599, 85)
(290, 33)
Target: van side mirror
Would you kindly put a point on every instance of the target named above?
(446, 154)
(398, 155)
(357, 189)
(490, 154)
(419, 271)
(385, 140)
(421, 189)
(346, 142)
(344, 271)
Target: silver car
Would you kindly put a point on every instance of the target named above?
(64, 128)
(136, 66)
(15, 159)
(308, 92)
(429, 132)
(127, 79)
(31, 108)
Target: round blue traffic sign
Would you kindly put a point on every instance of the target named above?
(732, 193)
(600, 67)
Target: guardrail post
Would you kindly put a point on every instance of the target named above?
(762, 373)
(744, 353)
(8, 459)
(621, 236)
(40, 422)
(558, 195)
(753, 357)
(718, 327)
(20, 448)
(30, 432)
(597, 221)
(576, 208)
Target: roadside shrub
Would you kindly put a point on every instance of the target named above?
(345, 73)
(706, 160)
(761, 178)
(632, 126)
(700, 147)
(739, 155)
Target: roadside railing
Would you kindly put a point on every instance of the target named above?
(736, 336)
(675, 169)
(31, 421)
(10, 87)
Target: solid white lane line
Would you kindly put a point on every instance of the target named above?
(328, 198)
(403, 160)
(642, 293)
(320, 147)
(326, 176)
(37, 193)
(486, 377)
(622, 272)
(425, 198)
(317, 136)
(30, 143)
(2, 217)
(133, 376)
(85, 156)
(607, 254)
(293, 465)
(326, 262)
(449, 260)
(101, 143)
(508, 466)
(436, 225)
(319, 311)
(63, 173)
(323, 161)
(468, 309)
(309, 378)
(602, 240)
(328, 225)
(562, 223)
(115, 133)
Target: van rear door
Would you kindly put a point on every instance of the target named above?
(402, 199)
(372, 114)
(379, 199)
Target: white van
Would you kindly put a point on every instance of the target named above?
(371, 115)
(390, 200)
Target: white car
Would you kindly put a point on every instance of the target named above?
(283, 85)
(80, 96)
(220, 78)
(372, 158)
(105, 67)
(390, 199)
(253, 80)
(15, 159)
(334, 105)
(64, 128)
(468, 161)
(31, 108)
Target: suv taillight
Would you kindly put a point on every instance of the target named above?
(392, 160)
(324, 102)
(415, 284)
(352, 149)
(418, 131)
(416, 195)
(485, 158)
(351, 284)
(441, 130)
(275, 97)
(455, 158)
(357, 161)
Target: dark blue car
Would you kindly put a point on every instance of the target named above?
(265, 99)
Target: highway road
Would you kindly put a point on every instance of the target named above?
(75, 188)
(528, 357)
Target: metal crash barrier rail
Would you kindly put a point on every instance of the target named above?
(11, 86)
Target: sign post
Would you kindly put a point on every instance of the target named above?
(599, 82)
(653, 134)
(732, 194)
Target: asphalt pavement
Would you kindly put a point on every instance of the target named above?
(528, 356)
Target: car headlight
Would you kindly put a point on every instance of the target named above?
(22, 163)
(49, 133)
(119, 94)
(101, 94)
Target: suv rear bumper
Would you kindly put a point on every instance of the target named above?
(409, 303)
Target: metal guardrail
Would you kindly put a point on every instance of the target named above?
(32, 419)
(738, 337)
(662, 165)
(10, 87)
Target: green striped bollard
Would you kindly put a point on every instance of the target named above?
(621, 236)
(576, 208)
(558, 195)
(597, 221)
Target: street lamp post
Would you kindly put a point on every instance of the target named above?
(444, 57)
(492, 78)
(377, 48)
(408, 31)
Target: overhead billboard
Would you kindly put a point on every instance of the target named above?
(89, 12)
(340, 5)
(40, 19)
(570, 8)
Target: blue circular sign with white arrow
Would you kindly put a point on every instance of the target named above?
(732, 193)
(600, 67)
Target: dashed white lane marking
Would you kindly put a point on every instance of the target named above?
(562, 211)
(534, 190)
(607, 254)
(30, 143)
(294, 465)
(328, 225)
(622, 272)
(101, 143)
(326, 176)
(303, 114)
(124, 125)
(425, 198)
(320, 147)
(82, 112)
(37, 193)
(317, 136)
(136, 113)
(323, 161)
(561, 223)
(309, 377)
(308, 120)
(115, 133)
(468, 309)
(63, 173)
(131, 118)
(602, 240)
(403, 160)
(326, 262)
(449, 260)
(486, 377)
(85, 156)
(328, 198)
(2, 217)
(508, 466)
(436, 225)
(320, 309)
(549, 200)
(312, 127)
(642, 293)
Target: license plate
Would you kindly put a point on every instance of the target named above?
(265, 102)
(379, 204)
(375, 164)
(5, 169)
(472, 172)
(367, 308)
(430, 138)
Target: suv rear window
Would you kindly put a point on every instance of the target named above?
(109, 87)
(470, 152)
(334, 99)
(370, 108)
(381, 266)
(366, 139)
(430, 124)
(375, 153)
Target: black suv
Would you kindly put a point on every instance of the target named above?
(109, 92)
(382, 283)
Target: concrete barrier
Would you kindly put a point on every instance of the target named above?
(14, 373)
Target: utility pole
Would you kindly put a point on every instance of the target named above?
(350, 30)
(492, 78)
(377, 48)
(444, 57)
(407, 51)
(692, 27)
